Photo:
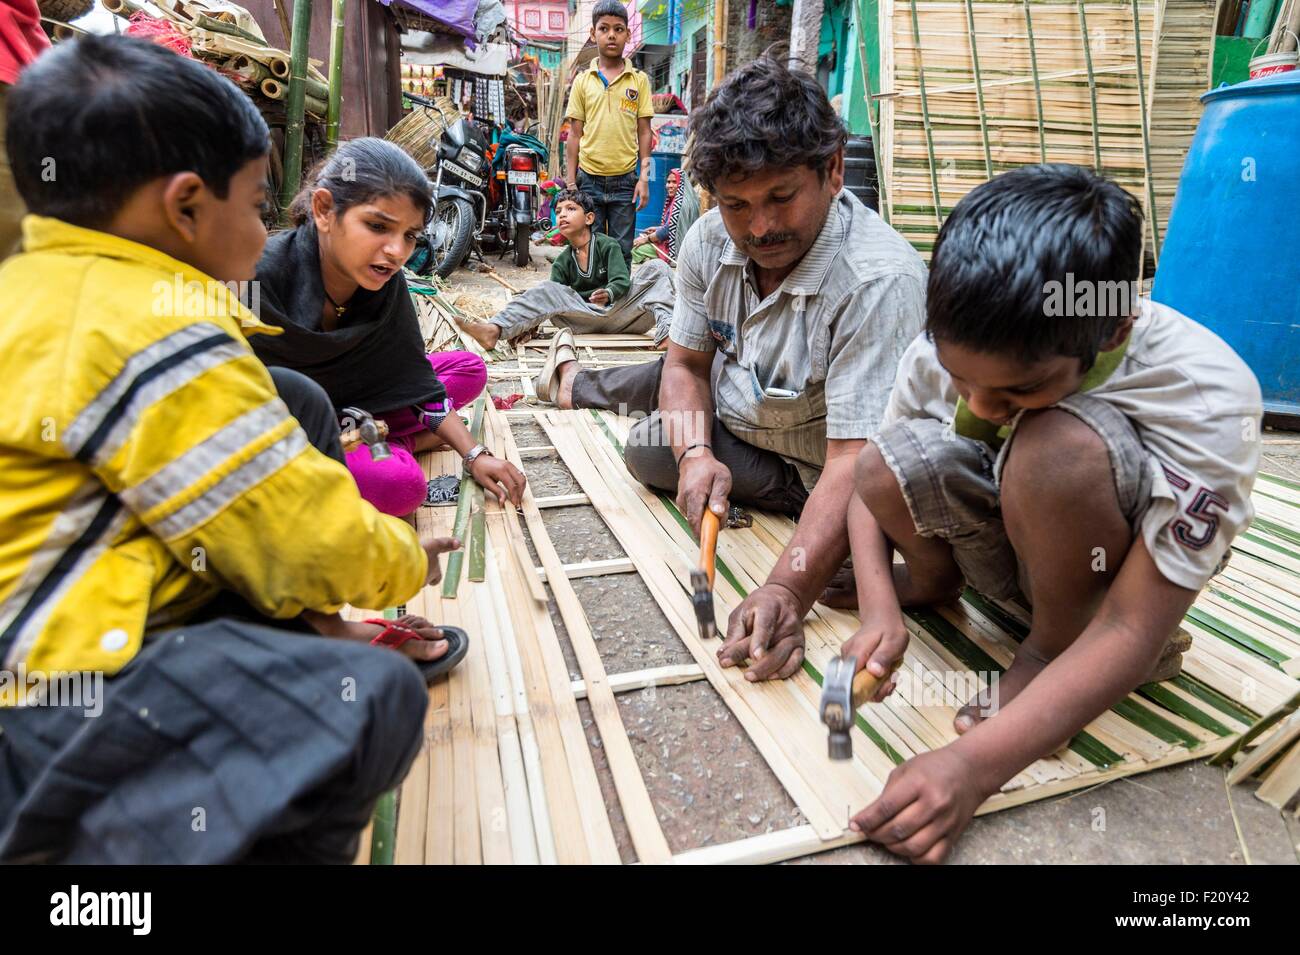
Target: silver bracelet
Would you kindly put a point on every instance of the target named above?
(473, 453)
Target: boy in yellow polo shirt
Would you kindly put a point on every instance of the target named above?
(609, 130)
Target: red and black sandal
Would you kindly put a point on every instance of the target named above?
(394, 636)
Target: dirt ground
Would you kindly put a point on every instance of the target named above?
(710, 785)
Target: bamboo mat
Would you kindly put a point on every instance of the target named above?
(506, 774)
(975, 87)
(1245, 629)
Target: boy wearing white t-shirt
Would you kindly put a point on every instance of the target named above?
(1054, 439)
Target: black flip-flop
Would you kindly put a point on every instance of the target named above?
(394, 635)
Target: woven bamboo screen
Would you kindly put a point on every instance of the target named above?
(976, 87)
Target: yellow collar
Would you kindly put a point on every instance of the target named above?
(628, 69)
(45, 234)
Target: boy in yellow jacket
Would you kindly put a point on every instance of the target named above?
(151, 480)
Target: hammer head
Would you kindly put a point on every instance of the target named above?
(836, 709)
(372, 433)
(702, 600)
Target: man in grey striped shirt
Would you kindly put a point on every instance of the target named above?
(794, 305)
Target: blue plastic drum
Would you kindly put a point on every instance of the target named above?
(1231, 256)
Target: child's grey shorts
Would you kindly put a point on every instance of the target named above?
(951, 486)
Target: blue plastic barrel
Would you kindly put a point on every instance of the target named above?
(660, 165)
(1231, 255)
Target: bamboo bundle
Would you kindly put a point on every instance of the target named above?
(278, 90)
(246, 71)
(418, 131)
(976, 87)
(239, 52)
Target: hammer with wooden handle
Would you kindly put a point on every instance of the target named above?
(843, 691)
(702, 576)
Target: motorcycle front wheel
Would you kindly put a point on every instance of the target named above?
(451, 231)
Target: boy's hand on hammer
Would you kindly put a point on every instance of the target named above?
(877, 648)
(433, 546)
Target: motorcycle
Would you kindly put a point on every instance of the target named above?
(482, 195)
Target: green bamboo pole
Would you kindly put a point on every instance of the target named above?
(336, 74)
(873, 115)
(384, 834)
(979, 88)
(1038, 90)
(1092, 85)
(464, 506)
(1152, 217)
(925, 116)
(294, 106)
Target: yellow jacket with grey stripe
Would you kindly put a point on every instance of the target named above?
(146, 462)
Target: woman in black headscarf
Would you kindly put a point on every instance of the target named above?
(334, 283)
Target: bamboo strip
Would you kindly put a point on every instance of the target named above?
(561, 500)
(1282, 782)
(524, 847)
(595, 821)
(979, 87)
(594, 568)
(363, 847)
(440, 834)
(563, 838)
(506, 634)
(1038, 88)
(642, 679)
(925, 113)
(414, 801)
(477, 537)
(1282, 736)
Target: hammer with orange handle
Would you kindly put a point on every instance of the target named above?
(702, 576)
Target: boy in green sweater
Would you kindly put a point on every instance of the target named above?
(590, 290)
